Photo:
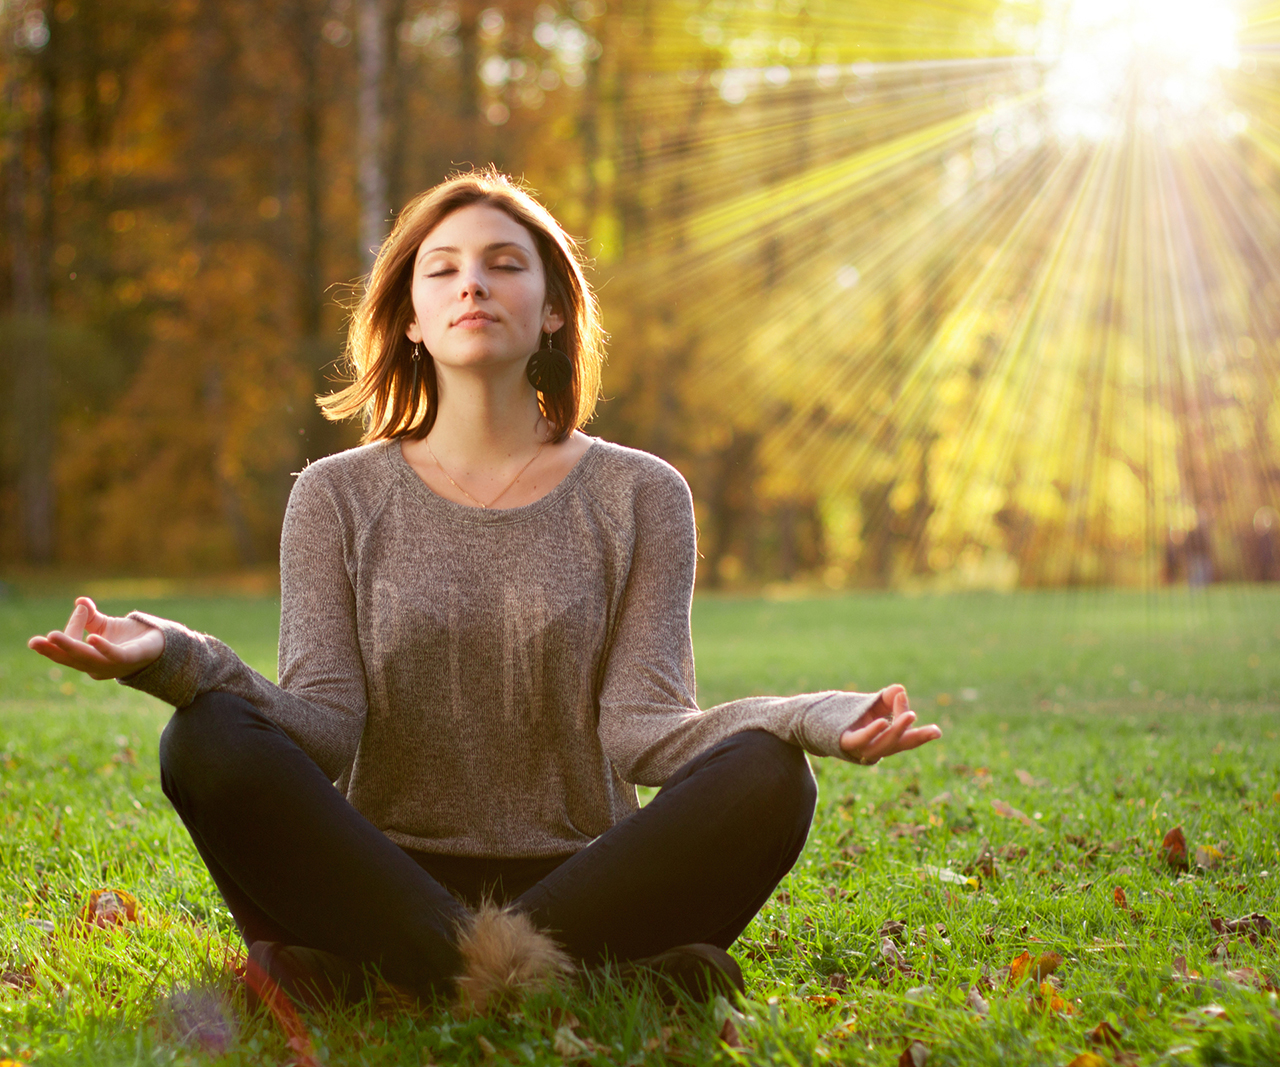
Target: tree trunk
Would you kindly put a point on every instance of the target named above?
(371, 38)
(30, 212)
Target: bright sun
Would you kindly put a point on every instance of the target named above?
(1151, 64)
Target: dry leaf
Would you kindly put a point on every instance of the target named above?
(1212, 1011)
(892, 928)
(1018, 968)
(729, 1034)
(1207, 857)
(1104, 1034)
(839, 982)
(1030, 780)
(822, 1000)
(1253, 926)
(565, 1043)
(890, 954)
(1088, 1059)
(1173, 849)
(1047, 998)
(1180, 969)
(915, 1054)
(975, 1002)
(486, 1046)
(1045, 965)
(107, 908)
(1010, 812)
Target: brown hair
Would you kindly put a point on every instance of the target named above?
(381, 356)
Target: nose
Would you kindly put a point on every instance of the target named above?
(473, 284)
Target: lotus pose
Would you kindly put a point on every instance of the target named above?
(485, 644)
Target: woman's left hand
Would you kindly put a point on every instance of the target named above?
(888, 726)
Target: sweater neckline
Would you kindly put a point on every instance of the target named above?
(466, 513)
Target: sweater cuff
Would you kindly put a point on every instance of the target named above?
(174, 676)
(830, 716)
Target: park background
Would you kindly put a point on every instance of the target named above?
(974, 301)
(916, 294)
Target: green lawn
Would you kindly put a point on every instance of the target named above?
(1095, 721)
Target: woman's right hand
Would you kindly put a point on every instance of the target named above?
(114, 647)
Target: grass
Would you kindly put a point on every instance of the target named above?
(1103, 719)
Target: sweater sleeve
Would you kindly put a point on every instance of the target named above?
(650, 723)
(321, 700)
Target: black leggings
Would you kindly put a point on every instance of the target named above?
(295, 862)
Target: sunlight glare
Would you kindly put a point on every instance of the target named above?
(1155, 64)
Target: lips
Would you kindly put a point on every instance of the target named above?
(474, 316)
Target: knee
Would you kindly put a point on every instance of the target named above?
(197, 747)
(778, 777)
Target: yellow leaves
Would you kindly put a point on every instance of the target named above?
(1207, 857)
(1088, 1059)
(1008, 811)
(1038, 968)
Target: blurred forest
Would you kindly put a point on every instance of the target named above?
(895, 318)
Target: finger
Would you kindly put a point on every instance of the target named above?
(75, 624)
(887, 742)
(96, 622)
(854, 740)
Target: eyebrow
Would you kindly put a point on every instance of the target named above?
(488, 248)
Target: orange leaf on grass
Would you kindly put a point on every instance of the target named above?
(107, 908)
(1173, 849)
(1048, 998)
(1088, 1059)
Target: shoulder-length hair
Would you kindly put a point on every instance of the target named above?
(381, 355)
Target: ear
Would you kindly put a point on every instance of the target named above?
(414, 333)
(552, 320)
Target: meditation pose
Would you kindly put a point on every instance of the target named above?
(485, 645)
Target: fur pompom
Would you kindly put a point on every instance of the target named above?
(504, 956)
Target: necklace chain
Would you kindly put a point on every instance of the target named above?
(505, 490)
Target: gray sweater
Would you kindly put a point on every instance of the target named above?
(489, 683)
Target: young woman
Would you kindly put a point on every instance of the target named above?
(485, 643)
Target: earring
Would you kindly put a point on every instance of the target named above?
(413, 385)
(549, 371)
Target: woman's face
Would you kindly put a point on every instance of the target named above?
(479, 291)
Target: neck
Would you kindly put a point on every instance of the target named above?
(484, 418)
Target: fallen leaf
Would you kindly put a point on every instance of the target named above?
(1010, 812)
(1122, 902)
(988, 935)
(984, 865)
(565, 1043)
(107, 908)
(1104, 1034)
(1045, 965)
(975, 1002)
(729, 1034)
(1088, 1059)
(915, 1054)
(1212, 1011)
(1047, 998)
(1252, 926)
(1173, 849)
(945, 874)
(1179, 966)
(1018, 968)
(890, 954)
(837, 981)
(1207, 857)
(822, 1000)
(486, 1046)
(894, 928)
(1030, 780)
